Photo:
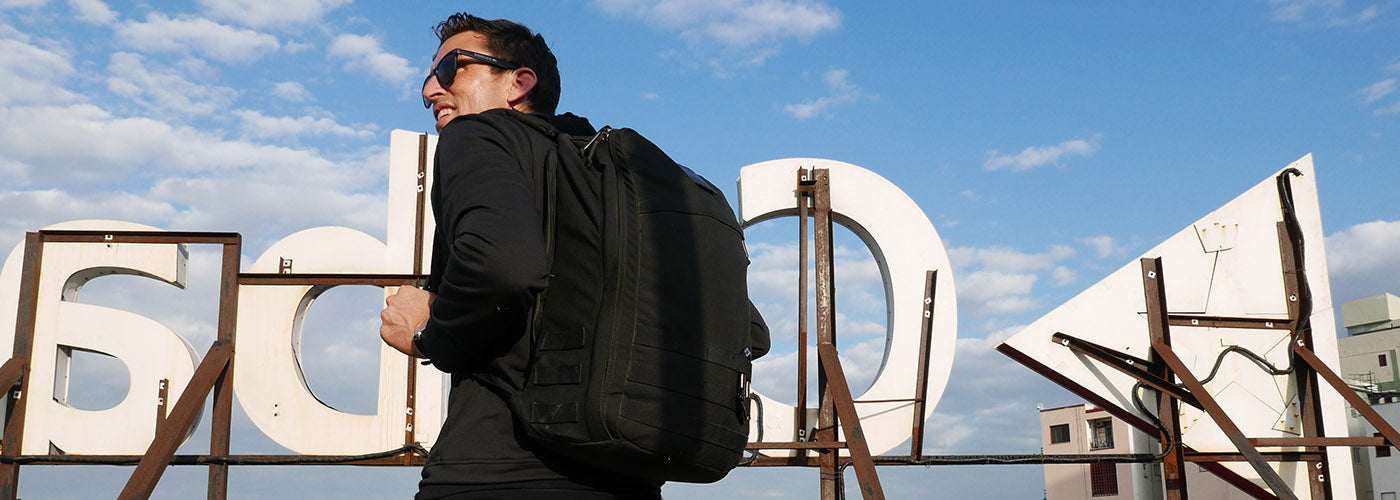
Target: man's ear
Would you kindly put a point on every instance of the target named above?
(524, 81)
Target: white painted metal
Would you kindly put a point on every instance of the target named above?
(905, 246)
(1226, 264)
(150, 351)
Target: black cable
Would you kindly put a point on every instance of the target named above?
(415, 448)
(759, 404)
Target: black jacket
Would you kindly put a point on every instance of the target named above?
(488, 264)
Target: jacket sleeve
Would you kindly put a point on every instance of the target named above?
(489, 228)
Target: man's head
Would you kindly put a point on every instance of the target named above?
(490, 64)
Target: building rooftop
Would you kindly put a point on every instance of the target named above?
(1371, 314)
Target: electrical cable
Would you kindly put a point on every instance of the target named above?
(415, 448)
(758, 403)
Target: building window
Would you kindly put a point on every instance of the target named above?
(1059, 433)
(1381, 451)
(1389, 495)
(1103, 479)
(1381, 360)
(1101, 434)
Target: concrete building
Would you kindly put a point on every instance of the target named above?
(1373, 336)
(1368, 361)
(1088, 429)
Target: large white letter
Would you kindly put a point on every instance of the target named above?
(149, 350)
(268, 378)
(905, 246)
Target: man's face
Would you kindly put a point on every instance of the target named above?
(477, 86)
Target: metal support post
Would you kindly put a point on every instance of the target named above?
(1173, 464)
(23, 352)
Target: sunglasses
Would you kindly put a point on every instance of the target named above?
(446, 69)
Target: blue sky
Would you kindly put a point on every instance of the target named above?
(1049, 144)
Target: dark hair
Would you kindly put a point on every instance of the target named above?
(517, 44)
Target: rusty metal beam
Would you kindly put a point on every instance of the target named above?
(1245, 485)
(804, 205)
(419, 215)
(1356, 401)
(11, 372)
(1271, 456)
(26, 316)
(1261, 466)
(1299, 301)
(826, 328)
(1129, 365)
(1132, 419)
(1154, 291)
(1226, 322)
(796, 445)
(916, 445)
(168, 435)
(203, 460)
(295, 279)
(1319, 441)
(868, 479)
(154, 237)
(223, 387)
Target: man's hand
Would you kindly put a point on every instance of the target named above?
(407, 312)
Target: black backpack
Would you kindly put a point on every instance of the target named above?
(643, 341)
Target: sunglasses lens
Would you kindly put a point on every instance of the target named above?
(426, 102)
(446, 70)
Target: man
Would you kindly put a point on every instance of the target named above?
(489, 264)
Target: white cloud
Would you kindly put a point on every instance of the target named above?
(1390, 109)
(32, 74)
(997, 291)
(997, 280)
(10, 4)
(842, 91)
(1036, 156)
(80, 143)
(1104, 246)
(295, 47)
(364, 53)
(291, 91)
(83, 145)
(151, 85)
(255, 124)
(733, 23)
(1327, 13)
(1007, 260)
(1064, 276)
(196, 36)
(189, 179)
(1362, 260)
(270, 13)
(31, 210)
(1374, 92)
(93, 12)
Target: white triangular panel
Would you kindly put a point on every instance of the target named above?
(1225, 264)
